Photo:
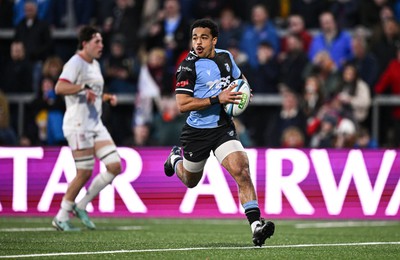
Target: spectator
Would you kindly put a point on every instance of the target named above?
(260, 30)
(292, 66)
(70, 14)
(103, 12)
(241, 59)
(47, 112)
(124, 19)
(150, 15)
(346, 134)
(297, 27)
(336, 42)
(230, 28)
(324, 68)
(7, 134)
(389, 82)
(43, 9)
(364, 139)
(370, 12)
(154, 82)
(365, 61)
(52, 68)
(354, 94)
(385, 48)
(292, 137)
(167, 123)
(290, 115)
(35, 34)
(325, 136)
(120, 69)
(171, 32)
(313, 97)
(16, 76)
(121, 72)
(377, 30)
(264, 77)
(332, 111)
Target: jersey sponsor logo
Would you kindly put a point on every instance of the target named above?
(182, 83)
(231, 133)
(219, 83)
(185, 68)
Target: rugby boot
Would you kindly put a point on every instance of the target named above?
(64, 225)
(263, 231)
(83, 216)
(168, 165)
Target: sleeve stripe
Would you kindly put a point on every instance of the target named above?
(184, 90)
(65, 80)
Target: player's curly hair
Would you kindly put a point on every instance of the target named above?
(86, 34)
(206, 23)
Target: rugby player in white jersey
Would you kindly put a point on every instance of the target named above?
(81, 82)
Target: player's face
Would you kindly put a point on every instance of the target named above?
(94, 47)
(203, 42)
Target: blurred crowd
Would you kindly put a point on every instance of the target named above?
(326, 59)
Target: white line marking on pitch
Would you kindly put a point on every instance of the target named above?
(344, 224)
(198, 249)
(53, 229)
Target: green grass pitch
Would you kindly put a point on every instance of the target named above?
(116, 238)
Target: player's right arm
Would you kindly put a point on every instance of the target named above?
(66, 83)
(67, 88)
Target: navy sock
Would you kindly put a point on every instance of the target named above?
(252, 211)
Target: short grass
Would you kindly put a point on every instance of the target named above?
(133, 238)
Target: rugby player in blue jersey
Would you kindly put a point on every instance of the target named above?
(202, 88)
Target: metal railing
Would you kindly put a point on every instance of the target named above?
(377, 102)
(123, 99)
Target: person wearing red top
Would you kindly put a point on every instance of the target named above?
(297, 27)
(389, 82)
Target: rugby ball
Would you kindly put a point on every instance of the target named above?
(238, 109)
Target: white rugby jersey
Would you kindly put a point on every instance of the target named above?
(80, 115)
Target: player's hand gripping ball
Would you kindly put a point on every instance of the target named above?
(238, 109)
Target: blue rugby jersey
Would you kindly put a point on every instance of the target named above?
(203, 78)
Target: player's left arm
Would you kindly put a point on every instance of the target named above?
(187, 103)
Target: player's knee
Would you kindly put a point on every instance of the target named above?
(110, 157)
(242, 174)
(114, 168)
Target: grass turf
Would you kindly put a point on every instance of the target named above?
(133, 238)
